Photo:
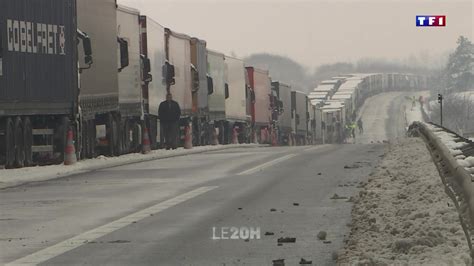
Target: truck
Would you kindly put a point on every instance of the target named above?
(299, 108)
(130, 80)
(283, 126)
(157, 75)
(100, 116)
(178, 54)
(237, 105)
(260, 83)
(39, 79)
(217, 100)
(202, 88)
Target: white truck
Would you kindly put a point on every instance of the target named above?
(237, 105)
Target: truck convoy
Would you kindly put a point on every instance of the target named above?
(96, 72)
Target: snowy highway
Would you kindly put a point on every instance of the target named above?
(297, 201)
(297, 182)
(387, 115)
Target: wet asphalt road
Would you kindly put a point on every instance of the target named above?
(289, 197)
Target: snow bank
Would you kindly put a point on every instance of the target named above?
(15, 177)
(403, 216)
(454, 144)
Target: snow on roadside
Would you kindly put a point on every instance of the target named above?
(454, 144)
(15, 177)
(403, 215)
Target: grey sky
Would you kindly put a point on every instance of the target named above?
(315, 32)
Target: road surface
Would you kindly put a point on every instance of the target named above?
(385, 116)
(163, 212)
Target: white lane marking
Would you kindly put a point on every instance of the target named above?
(77, 241)
(316, 147)
(267, 164)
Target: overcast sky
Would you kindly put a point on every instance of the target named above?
(315, 32)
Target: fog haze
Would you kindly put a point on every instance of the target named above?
(316, 32)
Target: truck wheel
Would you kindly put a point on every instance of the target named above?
(19, 141)
(91, 139)
(9, 144)
(126, 137)
(110, 127)
(63, 130)
(222, 133)
(117, 141)
(28, 141)
(197, 131)
(85, 140)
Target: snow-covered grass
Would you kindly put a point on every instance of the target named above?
(15, 177)
(403, 216)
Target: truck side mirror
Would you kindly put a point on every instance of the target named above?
(297, 119)
(168, 73)
(226, 90)
(252, 96)
(147, 77)
(124, 60)
(195, 79)
(210, 85)
(87, 47)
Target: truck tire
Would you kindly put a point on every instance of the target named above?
(62, 129)
(85, 140)
(9, 144)
(222, 133)
(28, 141)
(91, 139)
(126, 137)
(197, 131)
(19, 143)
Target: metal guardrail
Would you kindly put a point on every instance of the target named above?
(457, 181)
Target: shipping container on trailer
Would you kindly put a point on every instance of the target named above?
(154, 85)
(178, 54)
(283, 92)
(130, 80)
(38, 78)
(300, 109)
(99, 94)
(217, 100)
(200, 92)
(261, 114)
(99, 86)
(236, 105)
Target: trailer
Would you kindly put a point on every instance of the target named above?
(299, 107)
(202, 87)
(260, 83)
(99, 95)
(284, 129)
(217, 100)
(237, 104)
(155, 82)
(39, 79)
(178, 54)
(130, 81)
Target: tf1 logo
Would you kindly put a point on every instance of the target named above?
(431, 21)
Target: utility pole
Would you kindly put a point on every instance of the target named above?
(440, 101)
